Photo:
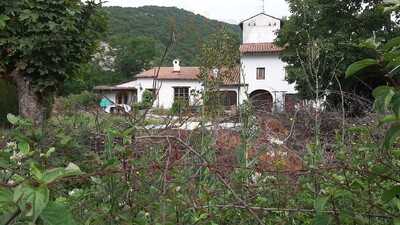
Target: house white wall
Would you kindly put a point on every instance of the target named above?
(275, 73)
(165, 97)
(259, 29)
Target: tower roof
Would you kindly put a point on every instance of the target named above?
(241, 23)
(269, 48)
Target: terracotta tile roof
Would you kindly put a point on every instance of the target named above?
(229, 77)
(167, 73)
(260, 48)
(113, 88)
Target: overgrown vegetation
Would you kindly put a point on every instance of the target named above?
(340, 29)
(42, 43)
(312, 167)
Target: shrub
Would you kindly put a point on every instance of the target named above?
(179, 106)
(147, 100)
(72, 103)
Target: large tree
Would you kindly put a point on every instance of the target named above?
(134, 54)
(42, 43)
(327, 36)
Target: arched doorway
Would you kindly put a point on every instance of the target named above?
(229, 99)
(262, 100)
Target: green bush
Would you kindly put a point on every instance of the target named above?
(179, 106)
(82, 101)
(147, 100)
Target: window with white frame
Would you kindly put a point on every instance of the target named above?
(181, 94)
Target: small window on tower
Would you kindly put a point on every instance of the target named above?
(261, 73)
(252, 24)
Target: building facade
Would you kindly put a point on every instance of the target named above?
(260, 76)
(263, 71)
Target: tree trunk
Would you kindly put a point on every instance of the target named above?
(31, 105)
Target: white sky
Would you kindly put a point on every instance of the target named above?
(231, 11)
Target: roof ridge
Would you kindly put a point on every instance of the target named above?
(262, 13)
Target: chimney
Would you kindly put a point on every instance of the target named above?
(177, 67)
(215, 72)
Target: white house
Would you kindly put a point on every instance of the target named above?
(262, 69)
(261, 75)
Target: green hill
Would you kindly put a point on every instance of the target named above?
(191, 30)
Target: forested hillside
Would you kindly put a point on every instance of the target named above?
(158, 22)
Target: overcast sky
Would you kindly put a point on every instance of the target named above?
(232, 11)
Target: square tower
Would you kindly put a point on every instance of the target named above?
(263, 72)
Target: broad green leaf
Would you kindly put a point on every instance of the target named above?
(381, 91)
(357, 67)
(393, 43)
(370, 43)
(24, 148)
(358, 184)
(50, 151)
(388, 119)
(4, 159)
(391, 136)
(50, 176)
(383, 96)
(391, 193)
(320, 203)
(379, 170)
(3, 21)
(36, 172)
(396, 153)
(72, 170)
(28, 15)
(321, 219)
(40, 199)
(12, 119)
(31, 200)
(6, 197)
(393, 66)
(396, 221)
(51, 215)
(395, 104)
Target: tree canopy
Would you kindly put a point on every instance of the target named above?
(134, 55)
(339, 30)
(44, 42)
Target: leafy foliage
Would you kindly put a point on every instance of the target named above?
(340, 28)
(134, 55)
(133, 175)
(147, 100)
(47, 40)
(28, 182)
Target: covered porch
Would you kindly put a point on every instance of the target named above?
(118, 95)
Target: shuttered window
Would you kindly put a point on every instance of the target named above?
(261, 73)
